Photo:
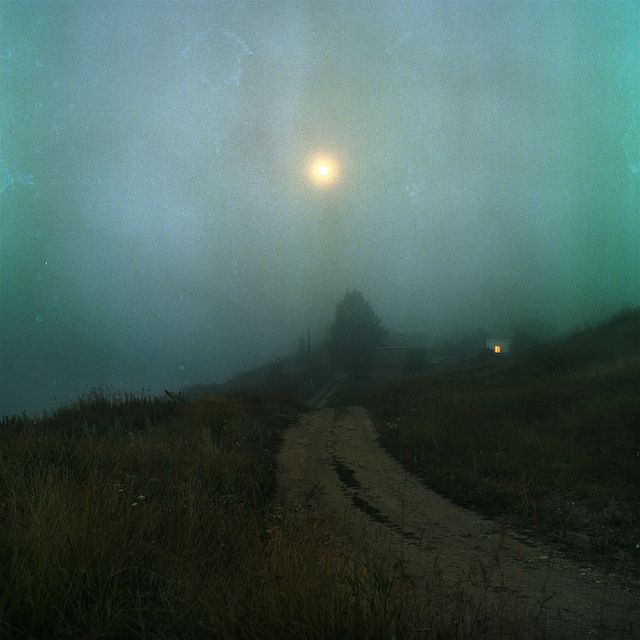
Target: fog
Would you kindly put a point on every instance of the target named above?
(158, 228)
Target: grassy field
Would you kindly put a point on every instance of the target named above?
(548, 441)
(157, 518)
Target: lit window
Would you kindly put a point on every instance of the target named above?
(497, 349)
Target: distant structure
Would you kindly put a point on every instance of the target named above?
(499, 346)
(400, 348)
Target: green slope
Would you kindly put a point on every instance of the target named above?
(549, 440)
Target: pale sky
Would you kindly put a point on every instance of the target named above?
(158, 227)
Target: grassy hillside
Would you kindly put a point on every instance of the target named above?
(282, 375)
(122, 517)
(549, 440)
(156, 518)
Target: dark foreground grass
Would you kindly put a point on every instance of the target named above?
(155, 518)
(549, 440)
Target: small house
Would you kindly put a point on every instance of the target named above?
(499, 346)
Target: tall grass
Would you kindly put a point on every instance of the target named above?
(155, 518)
(549, 441)
(113, 511)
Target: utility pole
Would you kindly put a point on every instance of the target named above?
(309, 358)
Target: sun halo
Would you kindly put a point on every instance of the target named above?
(323, 171)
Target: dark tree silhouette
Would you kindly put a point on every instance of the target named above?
(354, 333)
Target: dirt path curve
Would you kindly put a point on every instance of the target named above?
(333, 458)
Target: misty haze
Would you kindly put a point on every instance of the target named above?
(160, 227)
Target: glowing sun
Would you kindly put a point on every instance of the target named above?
(323, 171)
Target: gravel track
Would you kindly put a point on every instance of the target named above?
(332, 465)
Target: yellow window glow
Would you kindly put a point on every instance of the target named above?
(497, 349)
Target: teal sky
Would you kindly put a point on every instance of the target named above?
(156, 226)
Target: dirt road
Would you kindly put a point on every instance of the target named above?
(333, 460)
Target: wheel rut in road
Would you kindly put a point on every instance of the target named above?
(334, 456)
(353, 489)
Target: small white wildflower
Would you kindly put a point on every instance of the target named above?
(140, 497)
(135, 504)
